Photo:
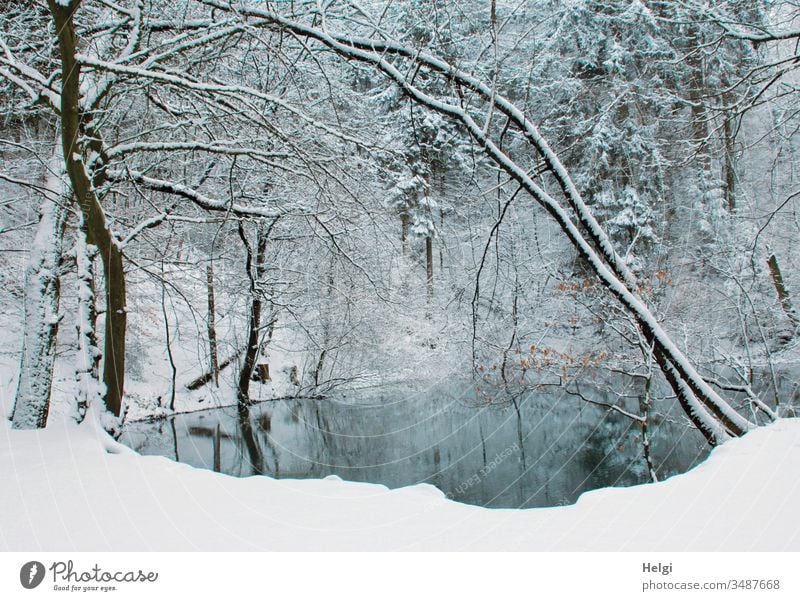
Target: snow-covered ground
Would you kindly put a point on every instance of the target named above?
(63, 490)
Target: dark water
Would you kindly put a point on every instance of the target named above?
(547, 453)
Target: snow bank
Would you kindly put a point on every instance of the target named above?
(62, 491)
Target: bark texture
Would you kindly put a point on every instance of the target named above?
(84, 187)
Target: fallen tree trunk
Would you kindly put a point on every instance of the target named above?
(207, 377)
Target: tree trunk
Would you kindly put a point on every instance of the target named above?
(90, 390)
(429, 265)
(783, 292)
(168, 342)
(211, 323)
(97, 231)
(698, 96)
(254, 273)
(404, 231)
(728, 166)
(326, 324)
(40, 308)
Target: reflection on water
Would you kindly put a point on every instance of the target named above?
(546, 454)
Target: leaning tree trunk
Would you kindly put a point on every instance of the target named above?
(97, 232)
(40, 305)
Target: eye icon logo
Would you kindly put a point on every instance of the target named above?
(31, 574)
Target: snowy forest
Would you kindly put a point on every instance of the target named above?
(516, 249)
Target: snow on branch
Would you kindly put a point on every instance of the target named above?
(216, 147)
(230, 90)
(201, 200)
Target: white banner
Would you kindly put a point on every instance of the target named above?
(407, 576)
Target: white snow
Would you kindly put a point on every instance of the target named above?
(62, 491)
